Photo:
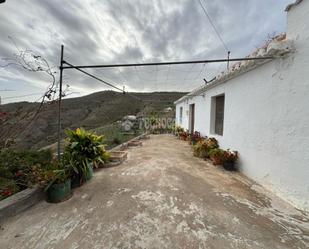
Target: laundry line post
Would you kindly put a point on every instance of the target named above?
(59, 103)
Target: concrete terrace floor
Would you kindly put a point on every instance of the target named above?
(161, 197)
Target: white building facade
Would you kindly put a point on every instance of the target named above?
(261, 109)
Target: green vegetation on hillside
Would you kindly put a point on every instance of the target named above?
(21, 131)
(114, 135)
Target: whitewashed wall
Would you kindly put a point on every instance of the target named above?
(267, 117)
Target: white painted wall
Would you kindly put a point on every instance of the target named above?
(267, 117)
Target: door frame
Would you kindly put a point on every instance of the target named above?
(191, 118)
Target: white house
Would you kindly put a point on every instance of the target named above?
(261, 109)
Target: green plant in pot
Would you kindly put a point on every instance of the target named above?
(84, 151)
(200, 149)
(212, 143)
(204, 146)
(229, 160)
(178, 130)
(217, 156)
(183, 135)
(195, 137)
(57, 181)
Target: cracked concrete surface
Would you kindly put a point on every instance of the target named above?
(161, 197)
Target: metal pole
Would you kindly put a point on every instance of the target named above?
(228, 59)
(59, 103)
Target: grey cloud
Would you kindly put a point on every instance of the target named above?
(121, 31)
(66, 13)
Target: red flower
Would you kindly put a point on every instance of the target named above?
(18, 173)
(6, 192)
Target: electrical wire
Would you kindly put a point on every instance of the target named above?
(213, 25)
(200, 72)
(95, 77)
(189, 72)
(103, 81)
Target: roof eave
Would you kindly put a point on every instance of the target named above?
(276, 49)
(292, 5)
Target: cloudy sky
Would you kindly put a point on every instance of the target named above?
(130, 31)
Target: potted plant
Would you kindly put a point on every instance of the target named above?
(57, 181)
(183, 135)
(200, 149)
(212, 143)
(216, 155)
(84, 151)
(229, 160)
(178, 130)
(188, 138)
(195, 137)
(203, 146)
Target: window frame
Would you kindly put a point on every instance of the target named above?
(214, 113)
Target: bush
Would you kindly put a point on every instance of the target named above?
(8, 187)
(212, 143)
(17, 166)
(183, 135)
(177, 129)
(203, 147)
(17, 169)
(230, 156)
(229, 159)
(195, 137)
(57, 172)
(200, 149)
(18, 160)
(217, 156)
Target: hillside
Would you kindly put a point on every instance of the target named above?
(21, 130)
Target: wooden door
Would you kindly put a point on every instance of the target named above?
(191, 118)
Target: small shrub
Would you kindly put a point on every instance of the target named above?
(230, 156)
(212, 143)
(8, 187)
(57, 172)
(195, 137)
(184, 135)
(200, 149)
(217, 156)
(203, 147)
(229, 160)
(17, 166)
(177, 130)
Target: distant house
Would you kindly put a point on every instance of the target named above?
(261, 109)
(130, 117)
(168, 109)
